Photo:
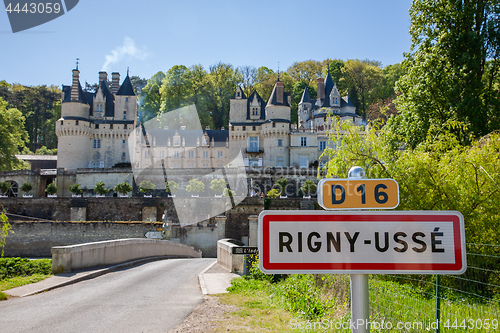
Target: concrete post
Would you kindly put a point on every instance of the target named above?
(253, 229)
(221, 226)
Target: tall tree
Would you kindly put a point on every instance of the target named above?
(13, 136)
(452, 64)
(306, 71)
(149, 97)
(249, 78)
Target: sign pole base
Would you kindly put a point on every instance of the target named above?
(360, 315)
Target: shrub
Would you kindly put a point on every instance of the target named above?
(11, 267)
(26, 187)
(274, 193)
(228, 193)
(145, 186)
(195, 186)
(51, 189)
(282, 182)
(75, 189)
(171, 186)
(122, 188)
(308, 187)
(5, 187)
(100, 189)
(218, 185)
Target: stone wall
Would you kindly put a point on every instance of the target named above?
(34, 239)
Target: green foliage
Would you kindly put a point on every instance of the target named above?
(146, 186)
(5, 187)
(75, 189)
(218, 185)
(228, 193)
(281, 185)
(171, 186)
(448, 74)
(273, 193)
(122, 188)
(100, 188)
(26, 187)
(12, 135)
(45, 151)
(5, 230)
(51, 189)
(308, 187)
(12, 267)
(195, 186)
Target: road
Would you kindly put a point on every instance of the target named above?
(152, 297)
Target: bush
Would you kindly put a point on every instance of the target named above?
(218, 185)
(51, 189)
(100, 189)
(308, 187)
(228, 193)
(75, 189)
(195, 186)
(145, 186)
(26, 187)
(5, 187)
(274, 193)
(281, 185)
(171, 186)
(122, 188)
(11, 267)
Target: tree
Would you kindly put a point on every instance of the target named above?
(249, 78)
(308, 187)
(150, 99)
(5, 230)
(146, 186)
(122, 188)
(12, 136)
(218, 185)
(451, 68)
(281, 185)
(26, 188)
(171, 186)
(75, 189)
(195, 186)
(5, 187)
(306, 71)
(100, 188)
(138, 84)
(51, 189)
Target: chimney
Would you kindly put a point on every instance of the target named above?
(279, 92)
(115, 84)
(75, 85)
(102, 76)
(183, 128)
(321, 88)
(207, 128)
(222, 128)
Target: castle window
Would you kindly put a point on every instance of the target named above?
(124, 114)
(62, 122)
(101, 164)
(238, 94)
(176, 154)
(303, 141)
(274, 124)
(205, 154)
(232, 128)
(123, 154)
(96, 126)
(253, 144)
(110, 126)
(146, 154)
(253, 128)
(126, 99)
(162, 154)
(280, 143)
(303, 161)
(190, 165)
(123, 141)
(205, 165)
(279, 161)
(190, 154)
(322, 145)
(244, 128)
(125, 126)
(97, 143)
(255, 111)
(219, 154)
(177, 142)
(76, 122)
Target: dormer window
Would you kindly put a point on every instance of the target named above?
(124, 114)
(238, 94)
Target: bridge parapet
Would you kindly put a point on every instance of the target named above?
(75, 257)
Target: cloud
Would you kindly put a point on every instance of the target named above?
(127, 49)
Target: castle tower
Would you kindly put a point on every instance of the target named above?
(73, 129)
(305, 107)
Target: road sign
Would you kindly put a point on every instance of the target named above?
(153, 234)
(375, 242)
(245, 250)
(358, 194)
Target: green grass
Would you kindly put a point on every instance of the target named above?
(322, 300)
(18, 281)
(16, 272)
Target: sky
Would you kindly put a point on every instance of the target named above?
(148, 36)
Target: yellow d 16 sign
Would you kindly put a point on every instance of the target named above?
(358, 194)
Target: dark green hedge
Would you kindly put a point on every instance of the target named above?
(11, 267)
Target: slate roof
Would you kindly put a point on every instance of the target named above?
(126, 89)
(261, 102)
(242, 94)
(346, 101)
(305, 97)
(190, 137)
(273, 98)
(110, 99)
(249, 123)
(82, 98)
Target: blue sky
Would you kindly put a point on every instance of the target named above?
(153, 35)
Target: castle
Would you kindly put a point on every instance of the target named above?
(94, 129)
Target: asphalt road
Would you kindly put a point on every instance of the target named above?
(152, 297)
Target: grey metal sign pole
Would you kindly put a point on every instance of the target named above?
(360, 314)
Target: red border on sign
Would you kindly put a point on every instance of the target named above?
(368, 266)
